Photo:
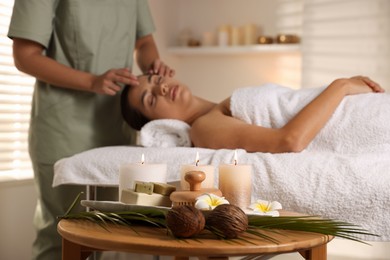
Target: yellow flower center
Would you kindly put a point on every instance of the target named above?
(213, 202)
(263, 207)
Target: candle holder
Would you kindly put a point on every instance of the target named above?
(188, 197)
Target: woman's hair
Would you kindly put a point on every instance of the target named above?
(130, 114)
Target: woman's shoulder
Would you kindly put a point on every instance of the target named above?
(203, 129)
(219, 111)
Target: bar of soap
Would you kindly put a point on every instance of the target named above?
(129, 196)
(163, 188)
(144, 187)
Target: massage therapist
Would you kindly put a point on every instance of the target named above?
(80, 53)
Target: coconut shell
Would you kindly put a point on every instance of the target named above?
(185, 221)
(228, 219)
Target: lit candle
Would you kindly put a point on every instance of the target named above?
(131, 172)
(207, 169)
(235, 183)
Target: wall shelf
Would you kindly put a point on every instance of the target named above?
(248, 49)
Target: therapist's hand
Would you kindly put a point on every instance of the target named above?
(162, 69)
(108, 83)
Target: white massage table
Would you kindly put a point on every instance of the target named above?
(353, 188)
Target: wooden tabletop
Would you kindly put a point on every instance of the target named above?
(151, 240)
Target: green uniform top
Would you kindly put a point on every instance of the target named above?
(88, 35)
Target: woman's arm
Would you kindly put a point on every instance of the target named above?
(219, 130)
(29, 58)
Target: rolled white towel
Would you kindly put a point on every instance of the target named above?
(165, 133)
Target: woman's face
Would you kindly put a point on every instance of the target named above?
(158, 97)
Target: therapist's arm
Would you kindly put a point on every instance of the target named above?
(30, 59)
(148, 59)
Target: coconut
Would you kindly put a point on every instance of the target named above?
(228, 220)
(185, 221)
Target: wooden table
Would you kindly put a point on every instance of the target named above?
(82, 237)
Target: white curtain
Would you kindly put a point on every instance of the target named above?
(343, 38)
(15, 104)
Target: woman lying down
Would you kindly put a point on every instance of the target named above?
(350, 115)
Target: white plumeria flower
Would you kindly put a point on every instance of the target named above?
(266, 208)
(209, 201)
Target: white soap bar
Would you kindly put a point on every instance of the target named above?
(131, 197)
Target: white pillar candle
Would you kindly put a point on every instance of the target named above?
(207, 169)
(235, 183)
(131, 172)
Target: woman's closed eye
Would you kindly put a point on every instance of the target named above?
(159, 79)
(151, 100)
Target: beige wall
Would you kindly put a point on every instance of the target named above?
(17, 206)
(216, 76)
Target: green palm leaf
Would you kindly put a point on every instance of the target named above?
(257, 224)
(309, 224)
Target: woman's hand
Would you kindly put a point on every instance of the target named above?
(162, 69)
(108, 83)
(361, 84)
(375, 87)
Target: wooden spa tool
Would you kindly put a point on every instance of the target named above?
(188, 197)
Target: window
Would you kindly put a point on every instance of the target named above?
(343, 38)
(289, 21)
(340, 38)
(15, 104)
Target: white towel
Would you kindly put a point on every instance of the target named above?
(360, 124)
(353, 188)
(165, 133)
(100, 166)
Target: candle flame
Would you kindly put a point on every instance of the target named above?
(197, 159)
(143, 159)
(235, 157)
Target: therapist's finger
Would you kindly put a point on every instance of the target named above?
(111, 88)
(171, 72)
(125, 76)
(159, 68)
(162, 70)
(156, 67)
(166, 71)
